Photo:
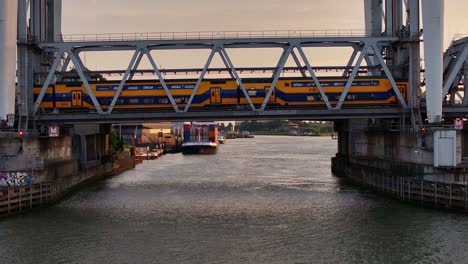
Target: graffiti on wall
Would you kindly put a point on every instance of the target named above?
(15, 179)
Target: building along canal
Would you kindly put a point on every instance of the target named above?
(262, 200)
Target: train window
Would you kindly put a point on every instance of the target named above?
(310, 98)
(148, 101)
(351, 97)
(133, 101)
(177, 100)
(132, 88)
(163, 101)
(103, 88)
(121, 101)
(175, 86)
(148, 87)
(189, 86)
(252, 92)
(301, 84)
(339, 83)
(105, 101)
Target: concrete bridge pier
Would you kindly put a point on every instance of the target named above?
(36, 169)
(91, 144)
(426, 167)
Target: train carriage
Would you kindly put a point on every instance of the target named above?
(225, 93)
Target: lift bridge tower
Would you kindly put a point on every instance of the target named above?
(23, 24)
(402, 18)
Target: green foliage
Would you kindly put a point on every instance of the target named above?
(115, 142)
(283, 127)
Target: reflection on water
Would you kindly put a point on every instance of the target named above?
(262, 200)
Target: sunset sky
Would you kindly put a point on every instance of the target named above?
(103, 16)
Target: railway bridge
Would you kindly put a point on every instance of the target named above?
(399, 121)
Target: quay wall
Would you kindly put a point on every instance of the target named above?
(35, 171)
(400, 164)
(16, 199)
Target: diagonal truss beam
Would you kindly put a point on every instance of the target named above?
(237, 77)
(200, 79)
(132, 65)
(135, 67)
(161, 78)
(298, 63)
(465, 84)
(279, 69)
(49, 78)
(64, 67)
(65, 64)
(79, 69)
(455, 71)
(226, 64)
(354, 73)
(314, 78)
(351, 61)
(378, 55)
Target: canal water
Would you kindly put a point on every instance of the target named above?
(262, 200)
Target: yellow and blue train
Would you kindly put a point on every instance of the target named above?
(289, 92)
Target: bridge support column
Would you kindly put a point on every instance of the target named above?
(433, 17)
(381, 155)
(91, 140)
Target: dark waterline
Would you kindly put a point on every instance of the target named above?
(262, 200)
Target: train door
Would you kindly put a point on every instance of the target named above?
(273, 94)
(403, 90)
(77, 99)
(216, 95)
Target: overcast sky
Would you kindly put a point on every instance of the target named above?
(103, 16)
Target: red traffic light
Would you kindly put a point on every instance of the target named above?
(21, 133)
(423, 129)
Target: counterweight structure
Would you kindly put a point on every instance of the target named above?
(8, 20)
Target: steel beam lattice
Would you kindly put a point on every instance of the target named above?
(292, 47)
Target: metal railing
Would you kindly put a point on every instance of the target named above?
(212, 35)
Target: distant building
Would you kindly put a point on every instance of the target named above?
(150, 134)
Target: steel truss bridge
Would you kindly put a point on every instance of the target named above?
(365, 48)
(393, 54)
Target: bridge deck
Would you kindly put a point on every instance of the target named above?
(301, 114)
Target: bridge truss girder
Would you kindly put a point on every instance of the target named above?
(456, 73)
(292, 47)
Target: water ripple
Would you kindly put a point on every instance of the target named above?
(266, 200)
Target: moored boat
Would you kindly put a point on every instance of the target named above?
(200, 138)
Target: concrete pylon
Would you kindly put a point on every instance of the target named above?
(433, 26)
(8, 30)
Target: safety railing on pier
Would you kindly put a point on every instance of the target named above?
(212, 35)
(17, 199)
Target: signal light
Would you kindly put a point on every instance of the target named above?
(21, 133)
(423, 129)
